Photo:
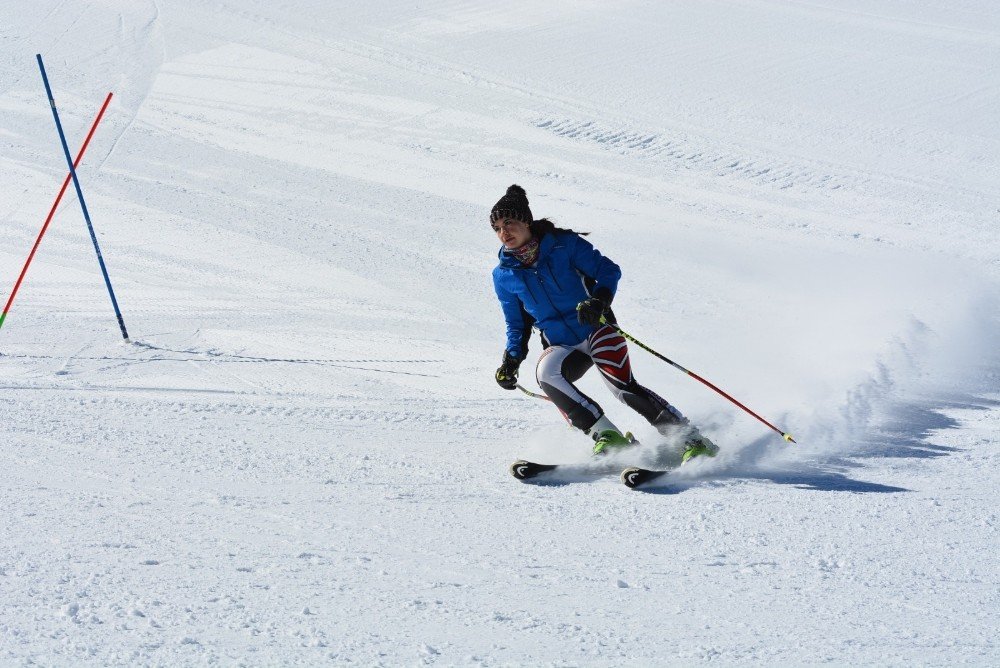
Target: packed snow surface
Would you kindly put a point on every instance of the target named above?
(300, 457)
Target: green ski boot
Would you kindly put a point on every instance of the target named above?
(697, 445)
(609, 438)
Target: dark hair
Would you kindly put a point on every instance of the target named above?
(539, 228)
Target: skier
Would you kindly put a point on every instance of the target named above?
(554, 279)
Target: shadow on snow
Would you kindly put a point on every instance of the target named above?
(905, 433)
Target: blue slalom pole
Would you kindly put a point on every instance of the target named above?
(79, 194)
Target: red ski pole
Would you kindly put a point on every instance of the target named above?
(784, 435)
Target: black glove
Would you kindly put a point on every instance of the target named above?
(507, 373)
(590, 311)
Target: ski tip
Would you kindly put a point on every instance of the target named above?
(633, 477)
(521, 469)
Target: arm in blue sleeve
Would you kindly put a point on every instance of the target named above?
(518, 321)
(591, 263)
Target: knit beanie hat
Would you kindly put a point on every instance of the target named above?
(512, 205)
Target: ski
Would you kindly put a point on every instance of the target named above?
(523, 469)
(622, 462)
(634, 476)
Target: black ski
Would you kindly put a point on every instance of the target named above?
(564, 473)
(634, 476)
(523, 469)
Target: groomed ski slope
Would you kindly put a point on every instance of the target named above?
(301, 457)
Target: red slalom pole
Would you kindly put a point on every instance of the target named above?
(784, 435)
(55, 205)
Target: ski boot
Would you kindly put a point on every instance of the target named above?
(611, 438)
(696, 445)
(606, 435)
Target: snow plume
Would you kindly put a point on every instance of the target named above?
(841, 428)
(948, 359)
(876, 346)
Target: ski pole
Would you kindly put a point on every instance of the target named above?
(545, 398)
(784, 435)
(532, 394)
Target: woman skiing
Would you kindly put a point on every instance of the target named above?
(555, 280)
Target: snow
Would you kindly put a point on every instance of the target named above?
(301, 456)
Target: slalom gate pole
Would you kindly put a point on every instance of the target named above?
(52, 211)
(79, 194)
(784, 435)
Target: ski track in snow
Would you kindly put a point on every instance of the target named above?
(302, 456)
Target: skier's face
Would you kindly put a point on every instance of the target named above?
(512, 233)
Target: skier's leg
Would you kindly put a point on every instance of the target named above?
(558, 368)
(609, 351)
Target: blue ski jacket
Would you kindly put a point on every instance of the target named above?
(568, 270)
